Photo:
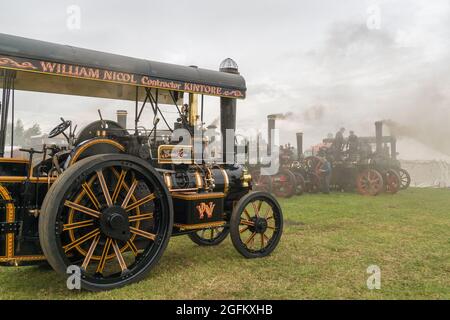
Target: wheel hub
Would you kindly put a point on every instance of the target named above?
(114, 223)
(260, 225)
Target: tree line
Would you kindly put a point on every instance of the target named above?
(22, 135)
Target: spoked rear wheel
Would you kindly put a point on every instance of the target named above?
(261, 182)
(284, 184)
(109, 215)
(256, 225)
(369, 182)
(392, 181)
(210, 236)
(313, 185)
(300, 184)
(405, 179)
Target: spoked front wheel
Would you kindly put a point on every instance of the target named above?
(109, 215)
(256, 225)
(210, 236)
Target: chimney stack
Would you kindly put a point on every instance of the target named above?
(299, 145)
(270, 127)
(393, 148)
(227, 111)
(379, 136)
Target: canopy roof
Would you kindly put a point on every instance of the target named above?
(48, 67)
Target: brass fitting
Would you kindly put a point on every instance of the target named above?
(193, 109)
(246, 178)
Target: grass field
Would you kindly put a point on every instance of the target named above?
(327, 245)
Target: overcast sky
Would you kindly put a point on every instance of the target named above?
(331, 63)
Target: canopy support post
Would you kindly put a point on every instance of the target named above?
(136, 120)
(8, 86)
(12, 120)
(201, 127)
(201, 109)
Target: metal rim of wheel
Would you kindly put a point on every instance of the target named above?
(109, 215)
(209, 236)
(405, 179)
(369, 182)
(392, 181)
(256, 225)
(284, 184)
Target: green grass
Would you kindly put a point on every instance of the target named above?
(327, 245)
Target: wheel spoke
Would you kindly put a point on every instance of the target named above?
(124, 184)
(129, 193)
(80, 208)
(255, 209)
(104, 187)
(120, 181)
(132, 247)
(262, 241)
(140, 217)
(102, 262)
(140, 202)
(87, 189)
(252, 236)
(90, 252)
(260, 205)
(266, 214)
(76, 225)
(245, 228)
(119, 256)
(143, 233)
(81, 240)
(212, 233)
(247, 223)
(247, 214)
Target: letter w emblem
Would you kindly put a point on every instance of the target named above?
(203, 208)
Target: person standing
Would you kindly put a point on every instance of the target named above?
(352, 145)
(338, 144)
(325, 171)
